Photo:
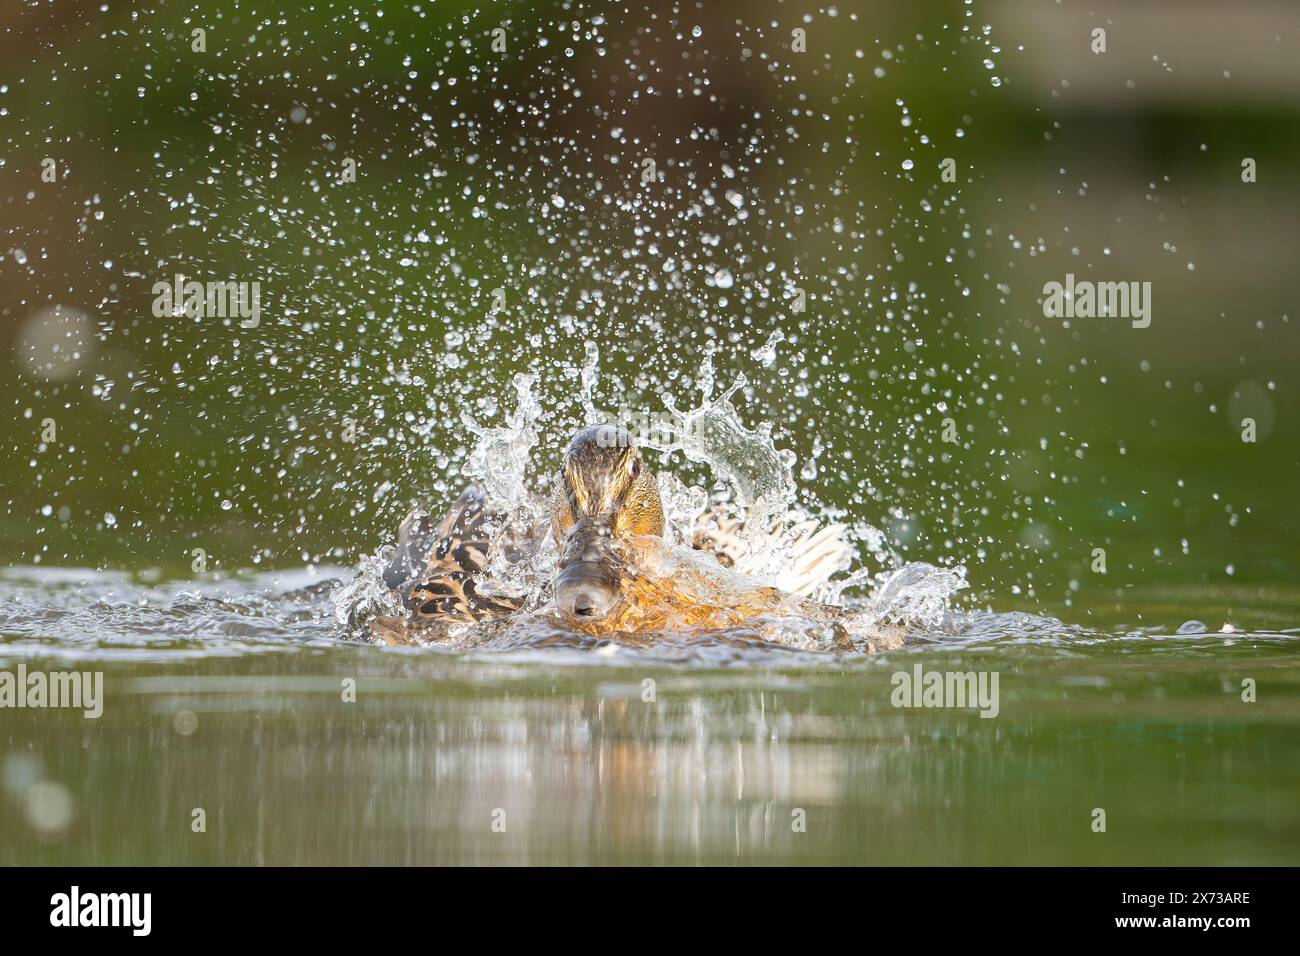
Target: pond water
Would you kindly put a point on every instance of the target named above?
(229, 697)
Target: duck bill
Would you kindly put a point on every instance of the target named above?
(587, 585)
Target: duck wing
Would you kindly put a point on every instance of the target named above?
(440, 564)
(815, 553)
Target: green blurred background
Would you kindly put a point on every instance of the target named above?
(923, 297)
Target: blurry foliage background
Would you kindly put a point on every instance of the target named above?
(1076, 435)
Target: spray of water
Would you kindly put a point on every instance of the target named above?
(687, 215)
(750, 473)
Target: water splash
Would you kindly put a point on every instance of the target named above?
(746, 459)
(365, 597)
(500, 458)
(917, 595)
(760, 491)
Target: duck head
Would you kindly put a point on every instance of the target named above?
(605, 496)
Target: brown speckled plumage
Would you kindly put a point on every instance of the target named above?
(439, 570)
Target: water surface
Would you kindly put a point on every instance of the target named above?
(227, 696)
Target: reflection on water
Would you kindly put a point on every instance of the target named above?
(236, 705)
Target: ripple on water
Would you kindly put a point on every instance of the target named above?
(83, 614)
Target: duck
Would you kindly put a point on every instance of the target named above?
(615, 572)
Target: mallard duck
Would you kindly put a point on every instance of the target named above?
(614, 571)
